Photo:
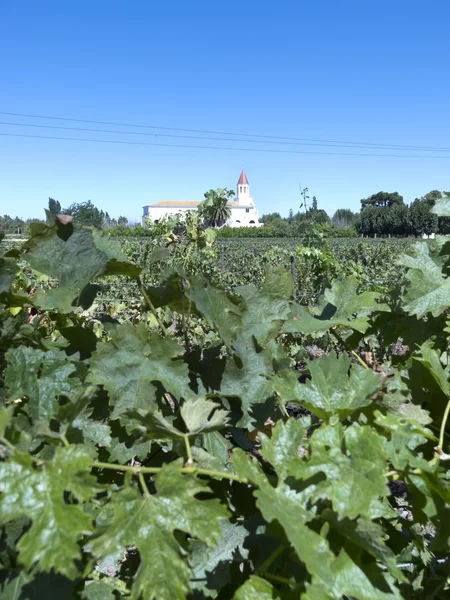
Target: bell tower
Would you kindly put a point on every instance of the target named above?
(243, 189)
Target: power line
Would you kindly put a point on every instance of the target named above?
(221, 139)
(209, 132)
(277, 151)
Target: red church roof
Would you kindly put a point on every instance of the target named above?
(243, 178)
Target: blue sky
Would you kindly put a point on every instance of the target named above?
(352, 71)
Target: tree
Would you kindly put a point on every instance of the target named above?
(422, 220)
(343, 218)
(314, 203)
(382, 199)
(122, 221)
(85, 213)
(214, 210)
(270, 217)
(54, 206)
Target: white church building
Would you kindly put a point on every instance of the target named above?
(243, 210)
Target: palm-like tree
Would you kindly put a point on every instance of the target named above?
(214, 210)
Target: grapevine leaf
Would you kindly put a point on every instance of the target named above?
(203, 416)
(429, 287)
(264, 311)
(246, 375)
(74, 256)
(211, 566)
(25, 586)
(340, 306)
(98, 590)
(442, 206)
(339, 575)
(40, 376)
(256, 588)
(330, 390)
(133, 363)
(354, 477)
(217, 309)
(8, 271)
(149, 522)
(38, 493)
(431, 360)
(284, 447)
(199, 416)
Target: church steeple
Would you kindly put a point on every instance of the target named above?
(243, 189)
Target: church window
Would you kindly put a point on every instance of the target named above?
(247, 210)
(252, 222)
(240, 188)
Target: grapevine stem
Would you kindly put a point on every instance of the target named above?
(150, 305)
(8, 444)
(352, 352)
(443, 425)
(64, 440)
(190, 460)
(276, 578)
(275, 554)
(154, 470)
(143, 484)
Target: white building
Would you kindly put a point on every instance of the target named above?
(243, 210)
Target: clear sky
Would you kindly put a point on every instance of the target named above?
(345, 70)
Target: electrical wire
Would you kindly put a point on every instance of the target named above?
(267, 150)
(210, 132)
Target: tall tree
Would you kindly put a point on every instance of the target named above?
(54, 206)
(214, 210)
(382, 199)
(85, 213)
(343, 218)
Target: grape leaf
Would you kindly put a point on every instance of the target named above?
(74, 256)
(340, 306)
(339, 575)
(40, 376)
(133, 363)
(38, 493)
(330, 391)
(149, 522)
(199, 416)
(429, 287)
(216, 307)
(256, 588)
(211, 566)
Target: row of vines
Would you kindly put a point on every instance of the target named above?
(181, 421)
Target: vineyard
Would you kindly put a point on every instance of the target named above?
(184, 417)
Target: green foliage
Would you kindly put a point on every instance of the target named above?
(223, 441)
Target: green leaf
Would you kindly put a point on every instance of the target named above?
(353, 461)
(98, 590)
(211, 566)
(199, 416)
(40, 376)
(256, 588)
(8, 271)
(133, 363)
(331, 390)
(217, 309)
(431, 360)
(338, 575)
(340, 306)
(74, 256)
(149, 522)
(429, 287)
(264, 311)
(38, 492)
(442, 206)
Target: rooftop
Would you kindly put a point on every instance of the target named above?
(243, 178)
(182, 204)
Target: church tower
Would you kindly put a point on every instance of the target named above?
(243, 190)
